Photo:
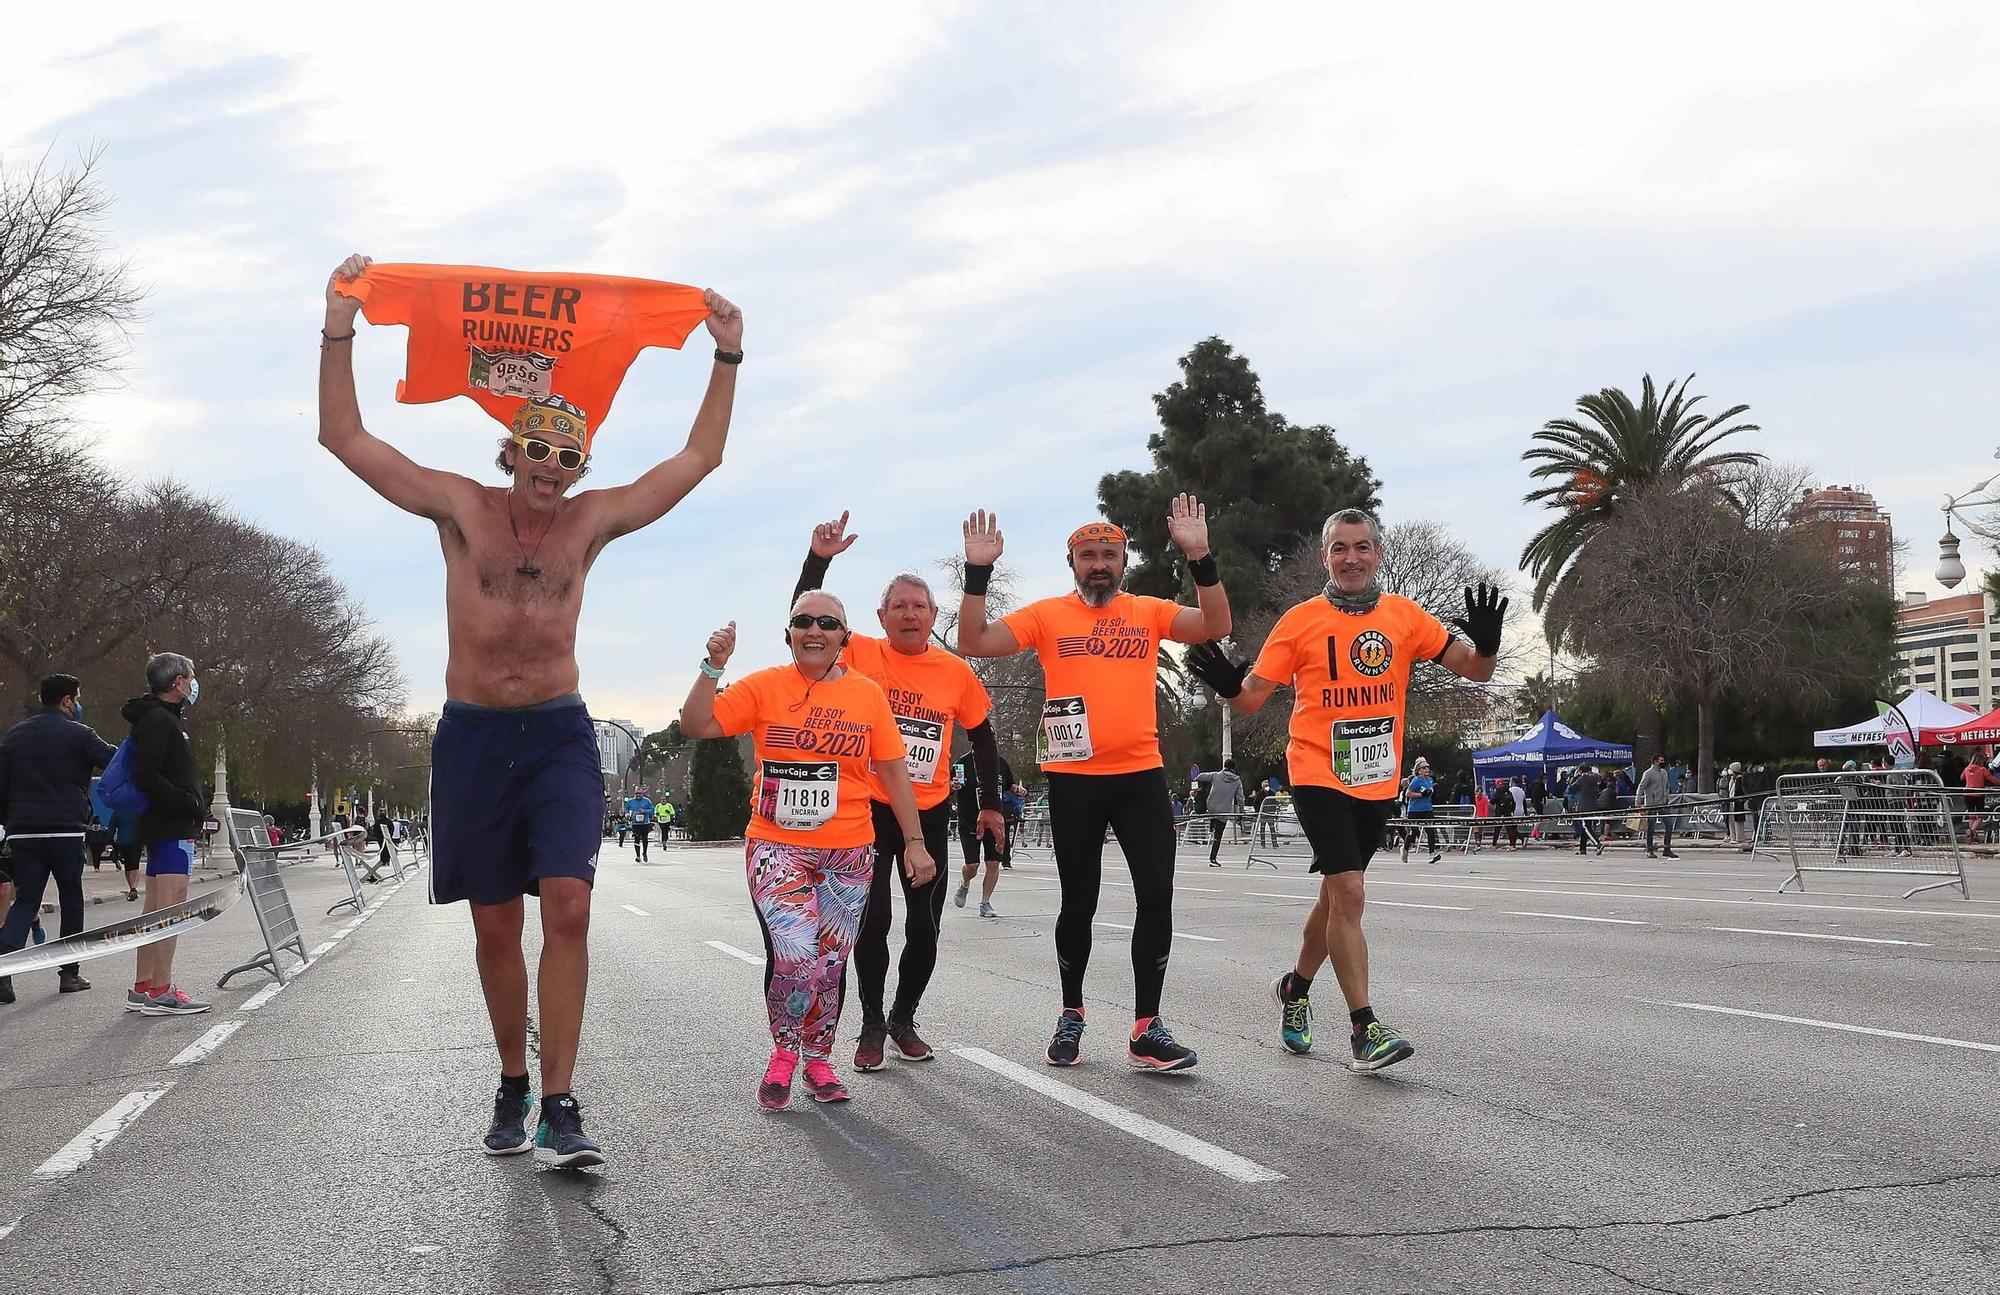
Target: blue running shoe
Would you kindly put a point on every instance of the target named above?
(1379, 1046)
(509, 1134)
(560, 1141)
(1295, 1025)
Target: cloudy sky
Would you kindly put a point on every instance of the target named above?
(971, 240)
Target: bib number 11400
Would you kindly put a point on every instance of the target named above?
(1364, 750)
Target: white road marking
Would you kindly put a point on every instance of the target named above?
(261, 997)
(635, 910)
(98, 1136)
(1573, 917)
(1178, 935)
(1403, 903)
(11, 1226)
(1691, 899)
(735, 952)
(320, 951)
(1186, 1145)
(207, 1043)
(1815, 935)
(1828, 1025)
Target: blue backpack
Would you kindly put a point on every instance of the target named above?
(116, 788)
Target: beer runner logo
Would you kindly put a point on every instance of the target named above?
(1370, 652)
(509, 373)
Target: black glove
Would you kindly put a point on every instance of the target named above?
(1213, 667)
(1484, 611)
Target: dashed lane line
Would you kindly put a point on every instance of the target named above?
(635, 910)
(78, 1151)
(1576, 917)
(735, 952)
(1828, 1025)
(1815, 935)
(1178, 935)
(1185, 1145)
(208, 1043)
(1691, 899)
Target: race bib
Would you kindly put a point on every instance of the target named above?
(798, 795)
(923, 743)
(1364, 750)
(1065, 732)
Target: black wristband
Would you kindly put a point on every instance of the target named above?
(1203, 570)
(347, 336)
(728, 357)
(977, 576)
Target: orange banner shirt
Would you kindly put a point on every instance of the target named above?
(813, 753)
(927, 692)
(1099, 666)
(1351, 677)
(508, 337)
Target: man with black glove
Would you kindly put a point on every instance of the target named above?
(1347, 656)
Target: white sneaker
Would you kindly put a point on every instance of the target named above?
(986, 909)
(959, 898)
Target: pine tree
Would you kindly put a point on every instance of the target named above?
(719, 792)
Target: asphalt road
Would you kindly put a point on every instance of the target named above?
(1596, 1103)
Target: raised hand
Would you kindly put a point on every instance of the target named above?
(828, 541)
(1213, 667)
(340, 309)
(1485, 611)
(983, 543)
(1187, 526)
(721, 644)
(725, 321)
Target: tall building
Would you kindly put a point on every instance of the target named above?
(617, 742)
(1853, 527)
(1949, 647)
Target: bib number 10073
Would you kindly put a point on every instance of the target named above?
(798, 795)
(1364, 751)
(1065, 732)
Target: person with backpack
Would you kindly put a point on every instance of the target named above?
(162, 768)
(45, 767)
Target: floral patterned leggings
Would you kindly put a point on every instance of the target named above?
(809, 903)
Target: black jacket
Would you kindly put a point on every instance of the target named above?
(163, 767)
(45, 768)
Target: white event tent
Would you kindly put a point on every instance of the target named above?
(1922, 710)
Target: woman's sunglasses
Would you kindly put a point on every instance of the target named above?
(567, 458)
(805, 622)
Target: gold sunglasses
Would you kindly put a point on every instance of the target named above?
(567, 458)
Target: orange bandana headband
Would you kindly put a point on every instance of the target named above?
(1096, 533)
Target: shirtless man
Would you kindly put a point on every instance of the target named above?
(517, 796)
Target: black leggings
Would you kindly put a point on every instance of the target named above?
(923, 910)
(1136, 809)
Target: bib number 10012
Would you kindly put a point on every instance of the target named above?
(1065, 734)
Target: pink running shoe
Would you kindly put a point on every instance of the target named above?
(775, 1093)
(822, 1083)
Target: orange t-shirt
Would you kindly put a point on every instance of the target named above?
(504, 337)
(1099, 665)
(813, 753)
(1350, 675)
(927, 693)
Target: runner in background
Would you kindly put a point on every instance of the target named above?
(639, 817)
(1347, 656)
(930, 690)
(980, 847)
(822, 735)
(1099, 746)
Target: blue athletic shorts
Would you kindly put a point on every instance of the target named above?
(516, 796)
(169, 858)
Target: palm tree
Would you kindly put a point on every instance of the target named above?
(1593, 465)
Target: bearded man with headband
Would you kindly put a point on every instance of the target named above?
(1099, 746)
(516, 788)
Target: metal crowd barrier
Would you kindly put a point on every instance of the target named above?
(257, 863)
(1889, 822)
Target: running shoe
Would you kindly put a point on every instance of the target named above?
(6, 989)
(775, 1093)
(39, 935)
(509, 1134)
(822, 1083)
(1379, 1046)
(868, 1051)
(560, 1141)
(1063, 1049)
(172, 1002)
(909, 1046)
(986, 909)
(1295, 1027)
(1406, 851)
(958, 897)
(1437, 856)
(131, 893)
(71, 982)
(1154, 1049)
(1671, 855)
(136, 1001)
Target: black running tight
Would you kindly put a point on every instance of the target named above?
(1136, 809)
(923, 911)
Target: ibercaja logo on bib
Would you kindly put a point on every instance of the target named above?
(1370, 652)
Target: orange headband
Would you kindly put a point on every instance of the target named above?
(1096, 532)
(552, 414)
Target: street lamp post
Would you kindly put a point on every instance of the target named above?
(1951, 568)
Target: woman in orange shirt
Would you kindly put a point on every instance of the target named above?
(819, 730)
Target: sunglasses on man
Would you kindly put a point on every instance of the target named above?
(805, 622)
(567, 457)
